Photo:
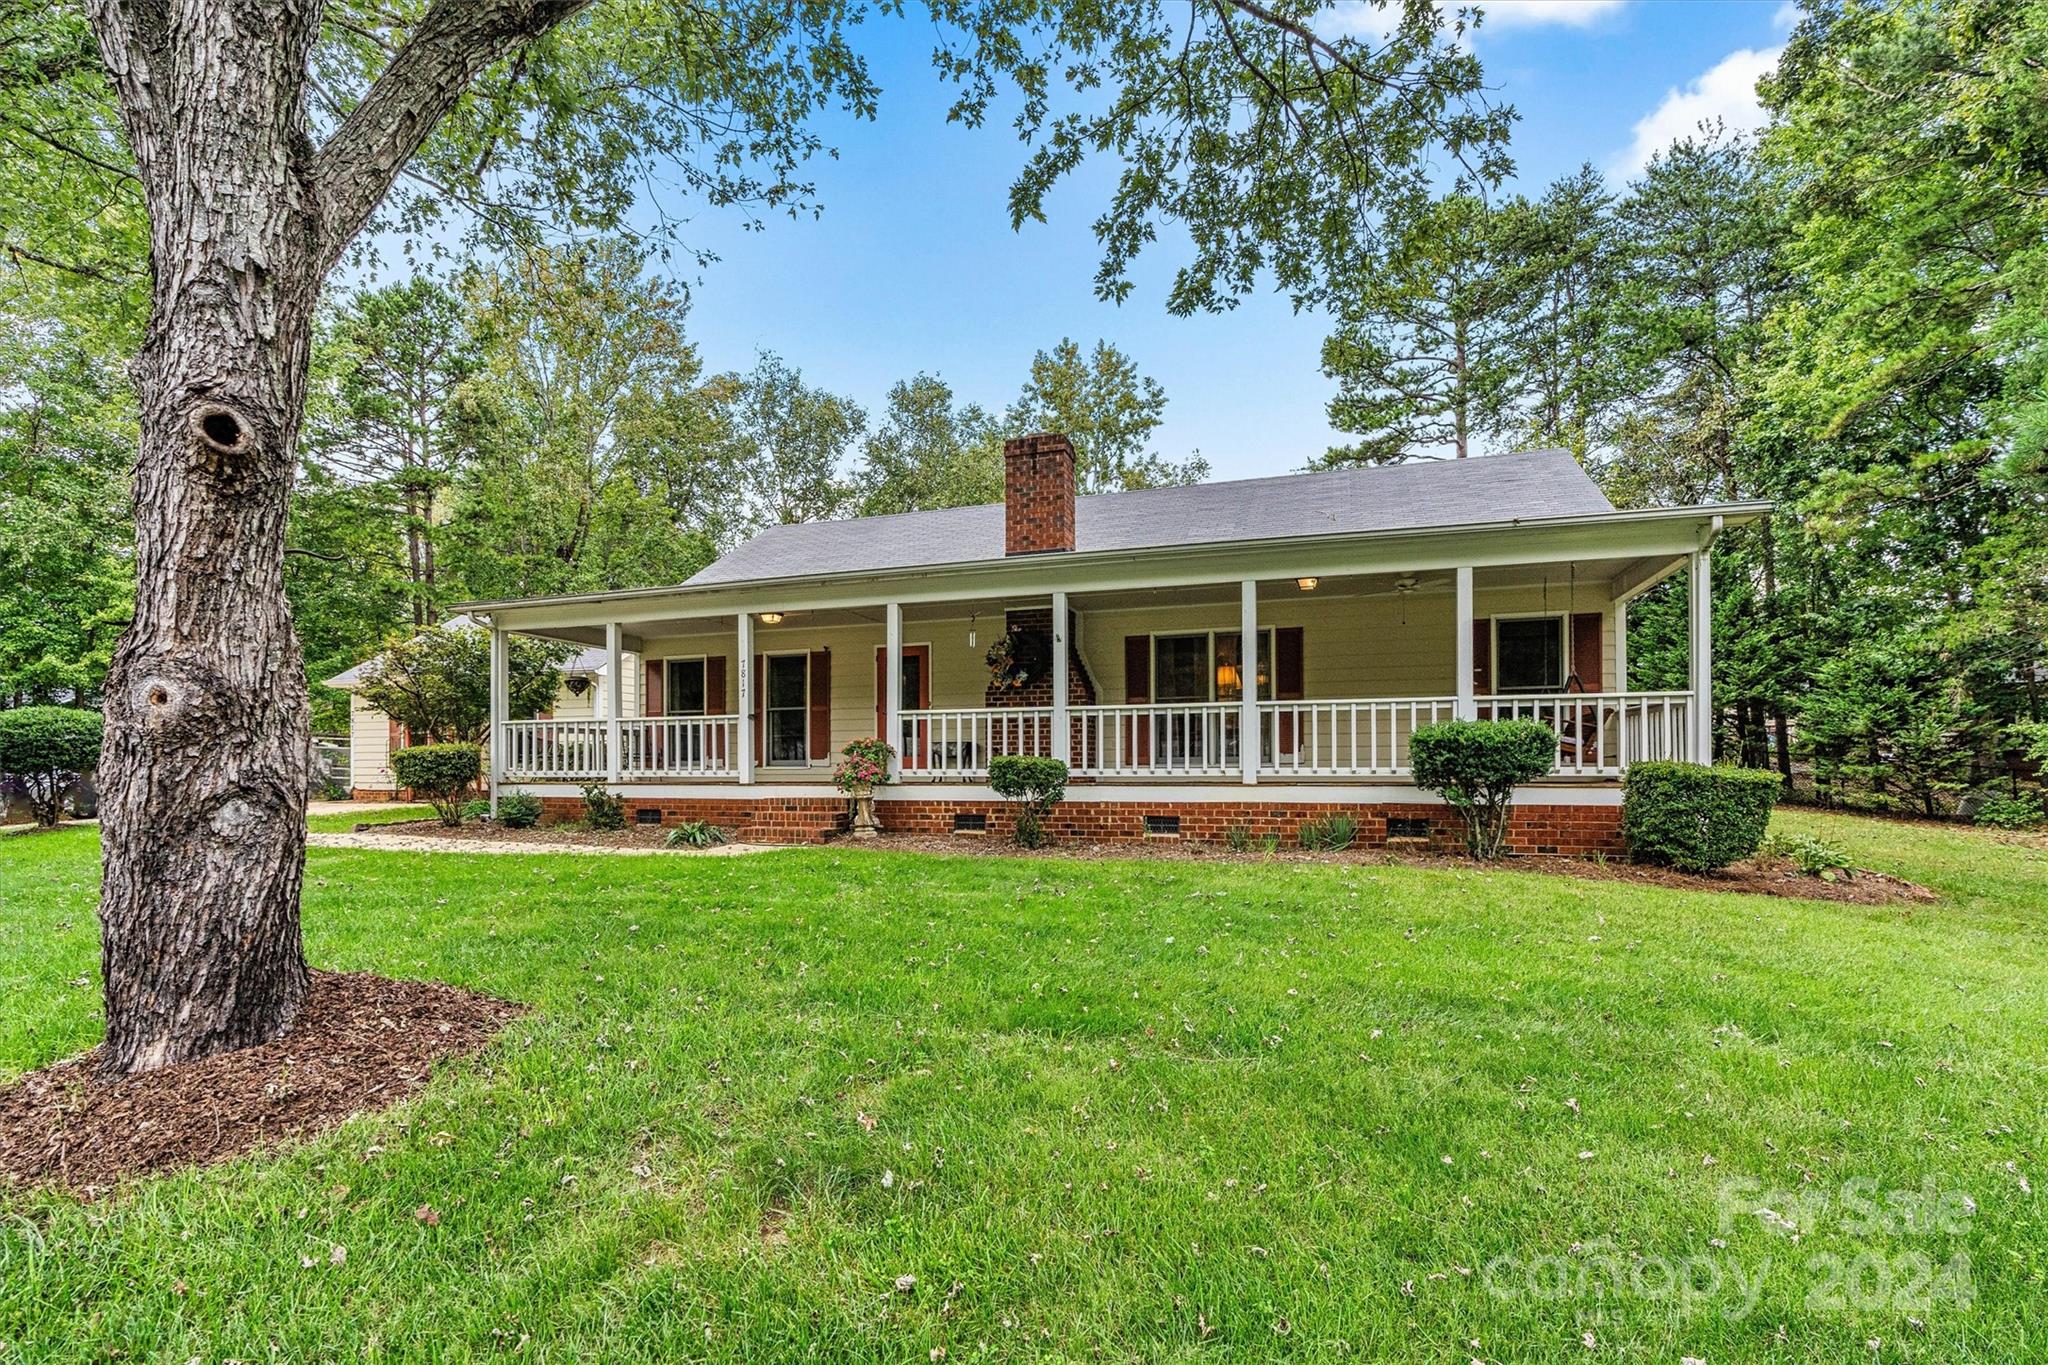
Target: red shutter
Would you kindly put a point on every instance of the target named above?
(1138, 691)
(714, 685)
(654, 691)
(1289, 683)
(1589, 662)
(821, 704)
(1137, 669)
(1482, 655)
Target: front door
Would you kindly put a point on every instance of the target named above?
(788, 710)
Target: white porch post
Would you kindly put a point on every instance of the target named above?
(1062, 736)
(1620, 644)
(1467, 708)
(500, 703)
(746, 697)
(1248, 680)
(1700, 592)
(892, 687)
(615, 699)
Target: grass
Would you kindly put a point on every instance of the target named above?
(1112, 1111)
(344, 821)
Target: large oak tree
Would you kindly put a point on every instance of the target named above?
(265, 138)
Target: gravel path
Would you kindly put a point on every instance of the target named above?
(412, 843)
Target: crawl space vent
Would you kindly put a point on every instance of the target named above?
(647, 815)
(1163, 826)
(1407, 827)
(970, 822)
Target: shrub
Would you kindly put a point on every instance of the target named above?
(1693, 817)
(1032, 786)
(1240, 839)
(477, 808)
(603, 808)
(442, 773)
(1475, 765)
(696, 834)
(1331, 834)
(47, 748)
(2011, 812)
(1814, 857)
(518, 810)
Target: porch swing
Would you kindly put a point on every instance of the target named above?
(1576, 730)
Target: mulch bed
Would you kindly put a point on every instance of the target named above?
(1758, 877)
(363, 1043)
(568, 836)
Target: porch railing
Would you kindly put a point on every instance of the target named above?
(1344, 738)
(959, 742)
(569, 750)
(1160, 740)
(1599, 734)
(679, 746)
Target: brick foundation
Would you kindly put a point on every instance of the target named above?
(1533, 828)
(753, 820)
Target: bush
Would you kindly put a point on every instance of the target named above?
(2011, 812)
(1331, 834)
(518, 810)
(46, 749)
(696, 834)
(603, 808)
(1475, 765)
(1696, 818)
(441, 773)
(476, 808)
(1814, 857)
(1240, 839)
(1032, 786)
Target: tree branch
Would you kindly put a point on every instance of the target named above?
(455, 42)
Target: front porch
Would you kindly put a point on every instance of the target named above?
(1131, 687)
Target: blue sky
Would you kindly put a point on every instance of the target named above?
(913, 265)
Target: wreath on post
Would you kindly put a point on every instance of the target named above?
(1019, 658)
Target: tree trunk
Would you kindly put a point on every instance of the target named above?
(203, 779)
(203, 773)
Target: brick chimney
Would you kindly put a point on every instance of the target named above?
(1038, 494)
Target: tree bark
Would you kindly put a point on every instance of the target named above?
(203, 774)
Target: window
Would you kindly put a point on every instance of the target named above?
(788, 708)
(1528, 654)
(1180, 668)
(683, 688)
(1230, 670)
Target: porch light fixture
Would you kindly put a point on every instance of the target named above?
(1307, 584)
(771, 618)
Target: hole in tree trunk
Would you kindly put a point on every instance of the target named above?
(220, 429)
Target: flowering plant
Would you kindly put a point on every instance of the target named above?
(863, 763)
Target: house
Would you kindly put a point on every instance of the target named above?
(584, 692)
(1377, 600)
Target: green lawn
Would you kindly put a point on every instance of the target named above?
(1111, 1111)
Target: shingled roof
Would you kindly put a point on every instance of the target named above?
(1404, 497)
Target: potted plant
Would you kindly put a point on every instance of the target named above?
(863, 766)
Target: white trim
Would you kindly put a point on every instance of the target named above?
(744, 696)
(1248, 697)
(1578, 793)
(1062, 731)
(500, 703)
(892, 684)
(1700, 654)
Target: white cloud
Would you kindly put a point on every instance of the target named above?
(1786, 16)
(1727, 93)
(1361, 19)
(1535, 13)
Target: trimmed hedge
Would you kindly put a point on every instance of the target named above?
(441, 773)
(1475, 765)
(1696, 818)
(1033, 786)
(48, 748)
